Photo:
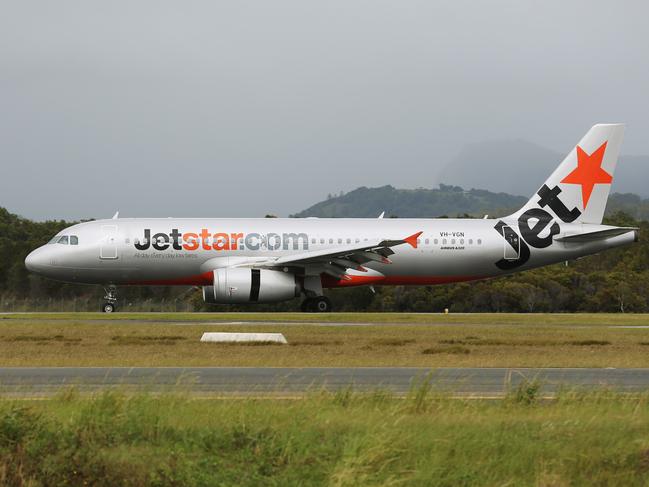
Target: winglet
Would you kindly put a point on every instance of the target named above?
(412, 239)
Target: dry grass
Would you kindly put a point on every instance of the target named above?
(478, 341)
(545, 319)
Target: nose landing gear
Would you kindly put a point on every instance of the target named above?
(319, 304)
(111, 300)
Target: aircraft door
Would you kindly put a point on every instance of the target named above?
(108, 248)
(512, 243)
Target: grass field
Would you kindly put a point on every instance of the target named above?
(400, 339)
(324, 439)
(584, 319)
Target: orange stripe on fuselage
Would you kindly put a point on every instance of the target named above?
(206, 279)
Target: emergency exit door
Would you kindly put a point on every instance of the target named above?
(108, 247)
(512, 243)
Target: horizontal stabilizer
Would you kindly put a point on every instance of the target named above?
(596, 235)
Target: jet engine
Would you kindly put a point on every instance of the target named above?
(241, 285)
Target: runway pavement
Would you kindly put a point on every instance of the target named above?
(488, 382)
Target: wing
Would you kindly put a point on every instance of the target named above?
(336, 261)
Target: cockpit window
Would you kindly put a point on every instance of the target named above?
(63, 240)
(53, 240)
(74, 240)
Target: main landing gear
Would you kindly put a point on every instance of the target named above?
(111, 300)
(319, 304)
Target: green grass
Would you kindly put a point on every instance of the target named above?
(327, 439)
(590, 319)
(418, 340)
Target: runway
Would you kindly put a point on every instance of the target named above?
(484, 382)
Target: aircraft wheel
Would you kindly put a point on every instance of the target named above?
(108, 308)
(321, 304)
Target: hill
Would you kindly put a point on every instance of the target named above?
(445, 201)
(414, 203)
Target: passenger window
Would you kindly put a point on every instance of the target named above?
(479, 241)
(313, 241)
(331, 240)
(444, 242)
(435, 241)
(340, 240)
(63, 240)
(470, 241)
(427, 241)
(322, 240)
(461, 241)
(74, 240)
(358, 240)
(349, 240)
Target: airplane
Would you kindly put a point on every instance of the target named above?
(269, 260)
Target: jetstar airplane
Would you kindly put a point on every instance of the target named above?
(271, 260)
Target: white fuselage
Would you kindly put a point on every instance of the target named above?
(186, 251)
(274, 259)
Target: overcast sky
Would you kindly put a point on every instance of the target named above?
(188, 108)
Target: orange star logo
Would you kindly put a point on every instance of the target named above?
(588, 172)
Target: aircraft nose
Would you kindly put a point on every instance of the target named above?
(35, 260)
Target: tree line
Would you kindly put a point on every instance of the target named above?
(613, 281)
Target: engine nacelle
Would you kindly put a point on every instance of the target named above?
(240, 285)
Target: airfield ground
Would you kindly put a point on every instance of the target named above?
(419, 435)
(329, 340)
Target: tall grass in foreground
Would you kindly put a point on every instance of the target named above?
(345, 438)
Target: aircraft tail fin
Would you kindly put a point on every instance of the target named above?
(583, 179)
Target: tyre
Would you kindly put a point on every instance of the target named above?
(108, 308)
(321, 304)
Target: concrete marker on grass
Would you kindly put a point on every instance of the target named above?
(230, 337)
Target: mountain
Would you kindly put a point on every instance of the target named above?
(411, 203)
(629, 203)
(519, 167)
(445, 201)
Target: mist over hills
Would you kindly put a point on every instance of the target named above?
(507, 171)
(413, 203)
(447, 200)
(520, 167)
